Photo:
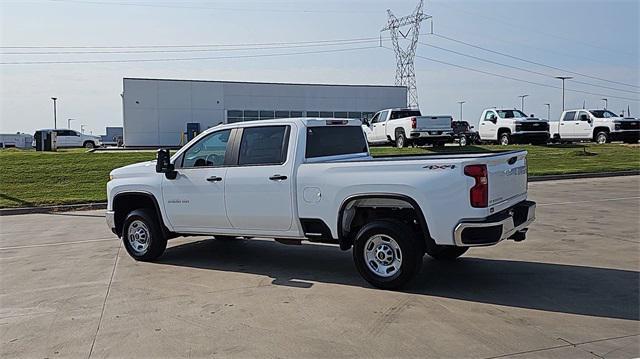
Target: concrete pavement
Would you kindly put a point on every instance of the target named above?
(571, 289)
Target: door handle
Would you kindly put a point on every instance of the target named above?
(278, 178)
(214, 179)
(383, 124)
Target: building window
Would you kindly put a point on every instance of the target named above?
(267, 115)
(340, 115)
(250, 115)
(282, 114)
(368, 115)
(234, 116)
(313, 114)
(357, 115)
(296, 114)
(326, 114)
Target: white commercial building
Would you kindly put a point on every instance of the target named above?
(157, 112)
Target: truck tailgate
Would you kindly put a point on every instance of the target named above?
(507, 177)
(433, 123)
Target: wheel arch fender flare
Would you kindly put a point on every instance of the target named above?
(156, 207)
(346, 241)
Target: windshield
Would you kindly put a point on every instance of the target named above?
(603, 114)
(510, 113)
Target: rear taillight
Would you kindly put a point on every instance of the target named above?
(413, 122)
(479, 193)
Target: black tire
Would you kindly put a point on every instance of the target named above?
(401, 140)
(602, 137)
(88, 144)
(157, 242)
(410, 253)
(446, 253)
(504, 139)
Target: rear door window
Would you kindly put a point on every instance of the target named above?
(265, 145)
(569, 116)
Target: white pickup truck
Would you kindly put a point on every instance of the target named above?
(404, 127)
(507, 126)
(601, 126)
(314, 179)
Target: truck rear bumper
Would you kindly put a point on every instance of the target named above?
(510, 223)
(430, 134)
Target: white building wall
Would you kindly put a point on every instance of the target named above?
(156, 111)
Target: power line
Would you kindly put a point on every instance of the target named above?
(201, 7)
(108, 52)
(531, 62)
(523, 69)
(522, 25)
(184, 58)
(190, 46)
(518, 79)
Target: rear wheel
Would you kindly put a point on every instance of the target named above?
(463, 140)
(142, 236)
(602, 137)
(387, 253)
(401, 141)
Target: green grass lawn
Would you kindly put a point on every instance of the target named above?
(30, 178)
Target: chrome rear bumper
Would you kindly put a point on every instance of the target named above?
(509, 223)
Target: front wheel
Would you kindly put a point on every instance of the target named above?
(89, 144)
(504, 139)
(142, 236)
(602, 138)
(387, 253)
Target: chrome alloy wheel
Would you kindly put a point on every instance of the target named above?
(139, 237)
(382, 255)
(601, 139)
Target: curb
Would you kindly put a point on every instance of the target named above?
(103, 205)
(583, 175)
(53, 209)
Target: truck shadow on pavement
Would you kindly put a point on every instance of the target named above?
(599, 292)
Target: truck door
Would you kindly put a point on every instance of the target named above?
(584, 128)
(259, 190)
(488, 126)
(568, 127)
(379, 127)
(194, 200)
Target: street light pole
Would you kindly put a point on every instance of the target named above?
(55, 120)
(69, 122)
(563, 78)
(461, 103)
(522, 102)
(606, 103)
(548, 111)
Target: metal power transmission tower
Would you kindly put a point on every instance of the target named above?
(405, 73)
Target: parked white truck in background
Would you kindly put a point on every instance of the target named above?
(72, 138)
(504, 126)
(600, 126)
(403, 127)
(314, 179)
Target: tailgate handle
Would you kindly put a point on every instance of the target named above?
(512, 160)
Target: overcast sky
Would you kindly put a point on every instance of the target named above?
(595, 38)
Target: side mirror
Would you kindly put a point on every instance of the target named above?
(584, 118)
(532, 115)
(164, 165)
(493, 118)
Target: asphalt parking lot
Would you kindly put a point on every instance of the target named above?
(571, 289)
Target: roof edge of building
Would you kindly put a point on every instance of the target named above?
(259, 83)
